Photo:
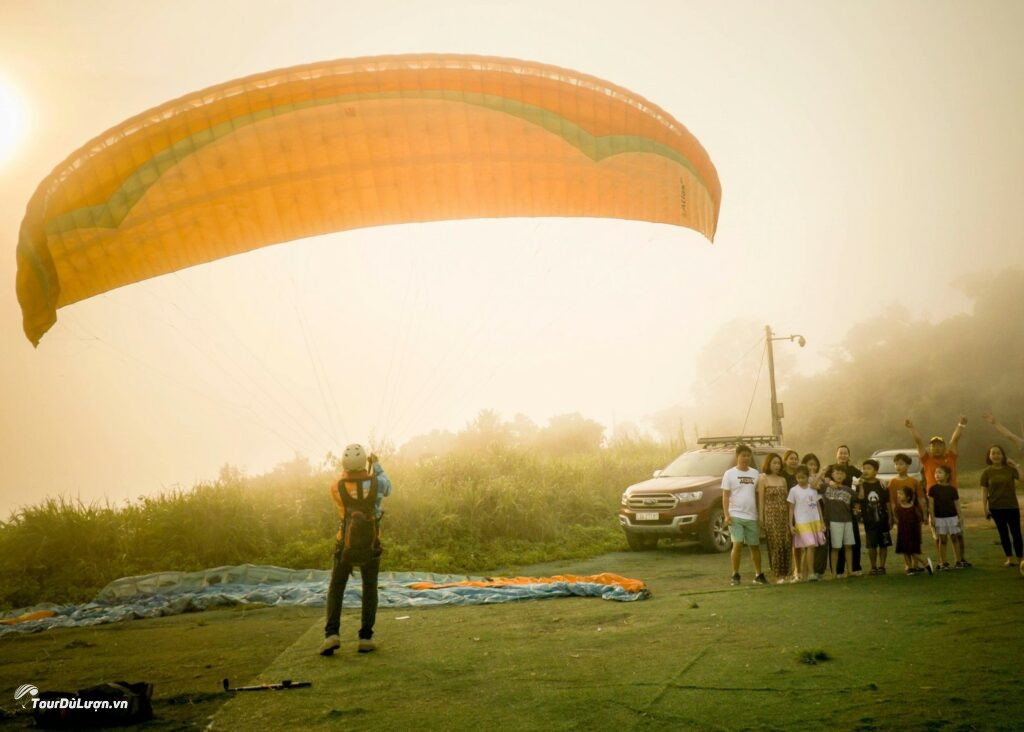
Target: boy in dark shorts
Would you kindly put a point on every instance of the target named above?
(946, 518)
(874, 501)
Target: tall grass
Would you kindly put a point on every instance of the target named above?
(469, 512)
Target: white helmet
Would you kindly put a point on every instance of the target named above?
(354, 457)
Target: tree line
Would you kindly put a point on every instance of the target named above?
(892, 366)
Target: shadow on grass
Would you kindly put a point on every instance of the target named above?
(813, 657)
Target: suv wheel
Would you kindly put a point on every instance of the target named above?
(715, 535)
(638, 543)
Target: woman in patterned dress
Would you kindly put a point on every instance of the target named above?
(773, 492)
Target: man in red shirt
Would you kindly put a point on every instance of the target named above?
(934, 455)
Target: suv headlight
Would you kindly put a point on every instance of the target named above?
(689, 497)
(625, 499)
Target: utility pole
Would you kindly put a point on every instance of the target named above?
(778, 411)
(776, 416)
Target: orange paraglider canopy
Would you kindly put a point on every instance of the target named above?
(605, 578)
(347, 144)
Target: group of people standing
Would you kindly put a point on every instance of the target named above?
(812, 516)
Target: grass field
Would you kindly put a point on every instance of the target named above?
(920, 653)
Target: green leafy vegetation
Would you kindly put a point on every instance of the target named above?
(496, 505)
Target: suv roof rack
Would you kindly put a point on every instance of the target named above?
(732, 441)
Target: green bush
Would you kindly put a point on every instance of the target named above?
(462, 512)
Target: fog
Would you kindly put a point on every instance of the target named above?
(870, 158)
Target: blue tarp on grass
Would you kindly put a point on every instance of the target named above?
(172, 593)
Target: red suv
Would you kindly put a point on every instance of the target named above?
(684, 499)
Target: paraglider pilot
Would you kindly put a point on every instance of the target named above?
(358, 496)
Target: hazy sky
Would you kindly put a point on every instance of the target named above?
(869, 152)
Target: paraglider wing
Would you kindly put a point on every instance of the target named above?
(347, 144)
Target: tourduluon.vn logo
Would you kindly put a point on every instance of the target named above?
(27, 696)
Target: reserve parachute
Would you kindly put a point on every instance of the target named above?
(346, 144)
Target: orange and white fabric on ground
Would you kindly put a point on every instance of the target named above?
(612, 581)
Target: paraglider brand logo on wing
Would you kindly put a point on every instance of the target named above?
(26, 695)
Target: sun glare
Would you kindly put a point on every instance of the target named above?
(12, 120)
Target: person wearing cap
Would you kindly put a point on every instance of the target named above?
(933, 455)
(361, 475)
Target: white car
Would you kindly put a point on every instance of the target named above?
(887, 464)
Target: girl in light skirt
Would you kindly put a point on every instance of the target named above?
(805, 521)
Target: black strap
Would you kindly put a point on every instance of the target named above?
(346, 497)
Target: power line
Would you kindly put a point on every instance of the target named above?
(735, 363)
(757, 381)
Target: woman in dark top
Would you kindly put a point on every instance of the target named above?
(790, 461)
(999, 502)
(814, 467)
(843, 458)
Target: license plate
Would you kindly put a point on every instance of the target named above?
(648, 516)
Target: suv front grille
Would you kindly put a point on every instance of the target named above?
(655, 502)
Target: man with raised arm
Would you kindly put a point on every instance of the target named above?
(933, 455)
(1004, 431)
